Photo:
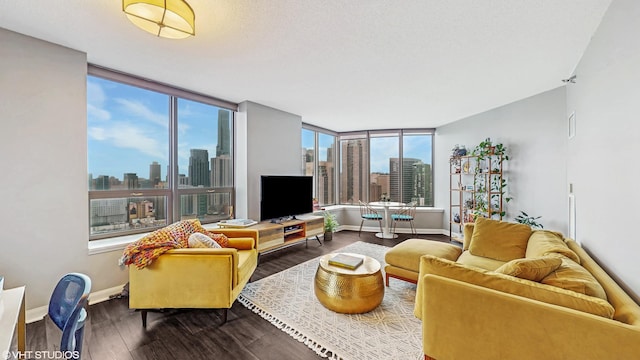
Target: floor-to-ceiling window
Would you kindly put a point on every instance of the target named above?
(354, 168)
(155, 155)
(384, 175)
(396, 165)
(318, 160)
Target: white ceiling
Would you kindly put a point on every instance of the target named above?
(340, 64)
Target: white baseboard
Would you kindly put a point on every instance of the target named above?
(374, 229)
(37, 314)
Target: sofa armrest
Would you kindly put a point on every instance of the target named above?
(238, 233)
(185, 278)
(464, 321)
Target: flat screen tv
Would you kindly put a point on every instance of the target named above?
(285, 196)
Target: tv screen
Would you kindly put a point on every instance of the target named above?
(284, 196)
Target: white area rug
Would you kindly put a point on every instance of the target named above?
(287, 300)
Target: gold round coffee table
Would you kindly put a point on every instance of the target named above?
(349, 291)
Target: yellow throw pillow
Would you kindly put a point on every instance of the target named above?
(545, 243)
(571, 276)
(499, 240)
(530, 269)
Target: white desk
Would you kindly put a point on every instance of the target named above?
(386, 234)
(13, 314)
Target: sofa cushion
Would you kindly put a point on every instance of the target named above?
(545, 243)
(467, 258)
(406, 255)
(571, 276)
(200, 240)
(499, 240)
(530, 269)
(467, 232)
(511, 285)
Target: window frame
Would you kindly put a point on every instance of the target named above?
(316, 164)
(173, 192)
(367, 135)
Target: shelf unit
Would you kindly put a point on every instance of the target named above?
(476, 188)
(273, 236)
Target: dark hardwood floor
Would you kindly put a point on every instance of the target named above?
(113, 331)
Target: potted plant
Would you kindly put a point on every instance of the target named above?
(330, 225)
(532, 221)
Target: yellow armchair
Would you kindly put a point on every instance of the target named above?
(196, 278)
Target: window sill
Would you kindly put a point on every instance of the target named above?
(121, 242)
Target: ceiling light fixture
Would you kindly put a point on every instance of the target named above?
(173, 19)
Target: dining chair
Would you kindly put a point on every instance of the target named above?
(369, 213)
(406, 213)
(67, 310)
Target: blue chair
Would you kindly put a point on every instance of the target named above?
(406, 213)
(369, 213)
(67, 309)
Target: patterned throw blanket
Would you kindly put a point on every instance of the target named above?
(142, 252)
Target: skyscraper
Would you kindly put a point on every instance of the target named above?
(353, 170)
(154, 173)
(131, 181)
(199, 168)
(416, 181)
(224, 133)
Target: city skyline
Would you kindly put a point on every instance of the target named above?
(128, 129)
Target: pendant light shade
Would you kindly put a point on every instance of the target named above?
(173, 19)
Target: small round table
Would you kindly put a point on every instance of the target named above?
(349, 291)
(386, 234)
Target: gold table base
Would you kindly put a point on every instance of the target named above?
(349, 291)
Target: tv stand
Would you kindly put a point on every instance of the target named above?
(275, 236)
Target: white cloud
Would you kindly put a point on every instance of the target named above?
(136, 108)
(95, 102)
(96, 113)
(127, 136)
(97, 133)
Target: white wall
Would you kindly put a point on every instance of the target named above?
(274, 139)
(604, 152)
(534, 132)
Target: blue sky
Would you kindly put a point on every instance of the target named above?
(128, 129)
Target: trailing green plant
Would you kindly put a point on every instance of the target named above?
(532, 221)
(330, 222)
(487, 147)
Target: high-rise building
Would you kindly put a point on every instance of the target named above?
(154, 173)
(353, 171)
(416, 181)
(379, 185)
(102, 183)
(199, 168)
(131, 181)
(224, 133)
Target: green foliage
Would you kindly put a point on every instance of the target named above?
(330, 222)
(524, 218)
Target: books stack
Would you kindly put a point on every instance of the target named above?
(346, 261)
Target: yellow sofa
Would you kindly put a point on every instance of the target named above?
(209, 278)
(471, 310)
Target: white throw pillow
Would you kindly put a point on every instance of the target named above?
(200, 240)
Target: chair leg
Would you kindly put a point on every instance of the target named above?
(143, 314)
(361, 222)
(224, 316)
(413, 228)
